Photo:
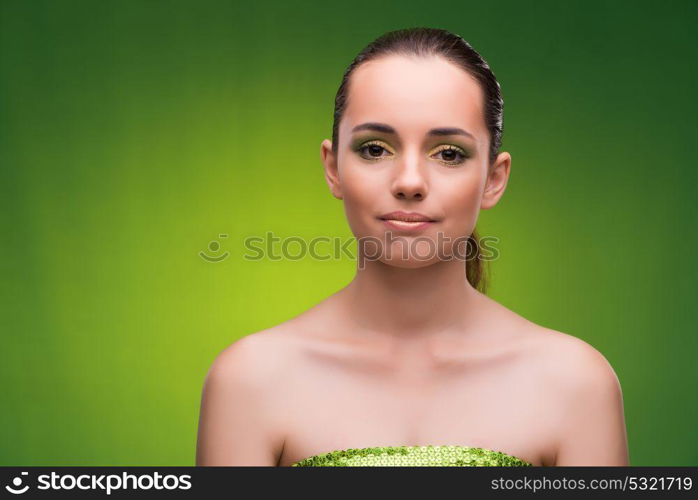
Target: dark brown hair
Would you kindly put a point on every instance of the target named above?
(427, 42)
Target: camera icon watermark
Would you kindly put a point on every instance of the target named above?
(214, 247)
(16, 488)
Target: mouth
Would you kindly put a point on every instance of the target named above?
(406, 221)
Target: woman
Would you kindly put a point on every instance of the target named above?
(411, 363)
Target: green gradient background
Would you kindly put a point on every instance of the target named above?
(134, 133)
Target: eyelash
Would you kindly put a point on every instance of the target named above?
(444, 147)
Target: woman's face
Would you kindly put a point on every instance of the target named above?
(413, 139)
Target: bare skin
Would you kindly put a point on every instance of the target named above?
(409, 353)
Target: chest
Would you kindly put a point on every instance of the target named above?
(414, 405)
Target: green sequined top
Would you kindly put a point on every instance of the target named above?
(410, 456)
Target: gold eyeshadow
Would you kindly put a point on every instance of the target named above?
(360, 144)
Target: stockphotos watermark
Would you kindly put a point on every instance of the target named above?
(106, 483)
(390, 247)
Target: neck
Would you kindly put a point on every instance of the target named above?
(411, 302)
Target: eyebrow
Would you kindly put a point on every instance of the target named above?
(387, 129)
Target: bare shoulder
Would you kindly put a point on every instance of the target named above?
(256, 357)
(559, 358)
(583, 400)
(241, 417)
(565, 369)
(569, 363)
(265, 357)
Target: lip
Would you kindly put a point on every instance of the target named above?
(407, 216)
(406, 221)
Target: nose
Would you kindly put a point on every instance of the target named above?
(409, 182)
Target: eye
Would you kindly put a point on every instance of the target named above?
(371, 150)
(452, 155)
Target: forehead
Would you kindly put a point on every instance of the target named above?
(414, 94)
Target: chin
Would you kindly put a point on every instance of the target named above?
(408, 263)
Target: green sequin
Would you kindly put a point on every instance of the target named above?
(409, 456)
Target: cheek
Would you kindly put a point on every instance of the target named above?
(360, 191)
(461, 204)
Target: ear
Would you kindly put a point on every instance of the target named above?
(496, 180)
(329, 162)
